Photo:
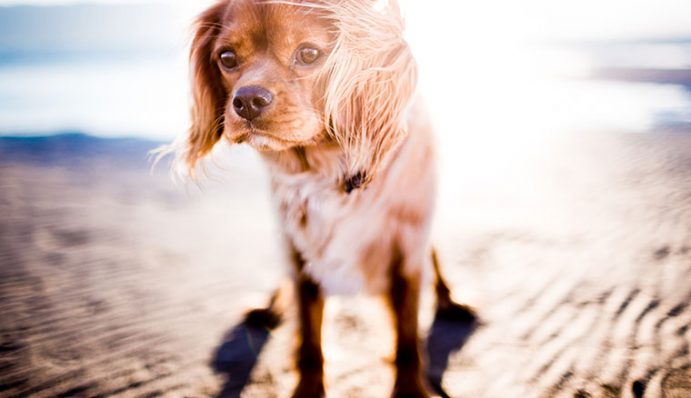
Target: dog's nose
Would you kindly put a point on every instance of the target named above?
(250, 101)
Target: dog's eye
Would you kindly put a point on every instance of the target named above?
(228, 59)
(308, 55)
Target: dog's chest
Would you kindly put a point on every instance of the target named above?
(333, 232)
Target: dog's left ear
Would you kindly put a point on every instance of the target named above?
(369, 78)
(208, 95)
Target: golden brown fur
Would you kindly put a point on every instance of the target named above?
(349, 151)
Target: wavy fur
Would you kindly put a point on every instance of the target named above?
(369, 79)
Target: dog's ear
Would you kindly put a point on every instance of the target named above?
(369, 78)
(208, 94)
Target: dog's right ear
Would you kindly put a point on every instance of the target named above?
(369, 81)
(208, 94)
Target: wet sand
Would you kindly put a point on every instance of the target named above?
(576, 252)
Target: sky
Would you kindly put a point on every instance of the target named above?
(543, 19)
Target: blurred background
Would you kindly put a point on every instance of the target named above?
(119, 68)
(564, 216)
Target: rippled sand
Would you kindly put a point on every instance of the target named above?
(576, 253)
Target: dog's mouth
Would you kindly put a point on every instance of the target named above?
(259, 138)
(267, 134)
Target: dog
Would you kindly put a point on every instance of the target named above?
(325, 91)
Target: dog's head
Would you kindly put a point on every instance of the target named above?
(284, 74)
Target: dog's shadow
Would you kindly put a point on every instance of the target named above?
(240, 348)
(239, 351)
(449, 332)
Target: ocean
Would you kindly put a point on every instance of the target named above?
(116, 70)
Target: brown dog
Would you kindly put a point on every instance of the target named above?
(324, 90)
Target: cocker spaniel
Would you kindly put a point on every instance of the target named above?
(325, 91)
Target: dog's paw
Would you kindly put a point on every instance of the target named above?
(262, 318)
(456, 312)
(406, 388)
(309, 388)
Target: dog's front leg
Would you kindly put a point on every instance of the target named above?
(404, 298)
(310, 360)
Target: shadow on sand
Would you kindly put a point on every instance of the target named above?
(239, 351)
(237, 355)
(447, 336)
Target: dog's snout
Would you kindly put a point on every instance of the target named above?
(250, 101)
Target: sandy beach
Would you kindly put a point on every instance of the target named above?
(575, 251)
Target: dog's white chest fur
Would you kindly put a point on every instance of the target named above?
(333, 232)
(348, 241)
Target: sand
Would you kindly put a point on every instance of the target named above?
(575, 250)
